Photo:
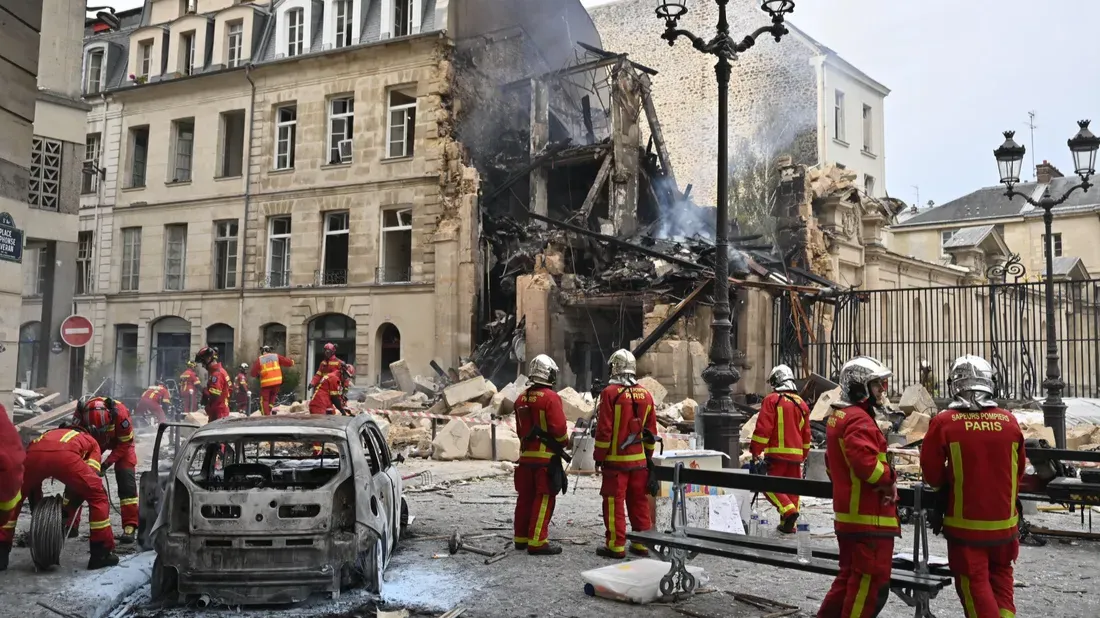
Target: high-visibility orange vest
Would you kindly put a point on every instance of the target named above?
(270, 372)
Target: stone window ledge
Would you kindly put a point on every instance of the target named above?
(841, 142)
(398, 159)
(221, 178)
(277, 171)
(868, 154)
(178, 183)
(128, 189)
(336, 166)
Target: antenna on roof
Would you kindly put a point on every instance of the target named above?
(1031, 125)
(917, 189)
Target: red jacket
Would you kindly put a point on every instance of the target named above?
(11, 453)
(240, 386)
(624, 412)
(119, 438)
(67, 439)
(217, 392)
(189, 381)
(855, 458)
(268, 369)
(782, 428)
(980, 456)
(539, 406)
(329, 395)
(157, 395)
(326, 367)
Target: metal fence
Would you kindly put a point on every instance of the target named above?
(1002, 322)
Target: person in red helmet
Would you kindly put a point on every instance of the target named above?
(109, 422)
(242, 396)
(11, 465)
(215, 398)
(69, 455)
(268, 369)
(328, 397)
(327, 365)
(153, 401)
(189, 388)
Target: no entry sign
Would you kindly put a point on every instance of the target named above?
(76, 331)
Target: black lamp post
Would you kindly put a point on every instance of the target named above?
(721, 424)
(1010, 157)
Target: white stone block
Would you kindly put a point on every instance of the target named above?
(452, 441)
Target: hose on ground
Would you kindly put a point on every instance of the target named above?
(47, 533)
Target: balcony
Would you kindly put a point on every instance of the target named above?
(273, 279)
(330, 278)
(389, 275)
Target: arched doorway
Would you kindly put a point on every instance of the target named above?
(170, 347)
(388, 344)
(332, 328)
(220, 337)
(274, 335)
(27, 364)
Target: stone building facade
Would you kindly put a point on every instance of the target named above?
(796, 98)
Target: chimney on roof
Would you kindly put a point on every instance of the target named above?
(1044, 172)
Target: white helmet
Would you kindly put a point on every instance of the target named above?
(543, 370)
(623, 367)
(782, 379)
(856, 377)
(971, 383)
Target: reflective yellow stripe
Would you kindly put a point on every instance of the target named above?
(782, 451)
(853, 500)
(634, 457)
(649, 447)
(215, 391)
(877, 473)
(615, 430)
(782, 430)
(536, 541)
(881, 457)
(774, 499)
(10, 504)
(69, 436)
(639, 546)
(1015, 479)
(861, 595)
(93, 464)
(602, 444)
(99, 525)
(1006, 613)
(538, 454)
(759, 439)
(968, 598)
(542, 426)
(9, 526)
(981, 524)
(957, 473)
(127, 501)
(519, 539)
(611, 532)
(126, 438)
(878, 521)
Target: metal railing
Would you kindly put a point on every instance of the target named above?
(330, 277)
(273, 279)
(384, 275)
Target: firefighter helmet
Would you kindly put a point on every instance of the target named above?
(971, 383)
(244, 367)
(206, 356)
(782, 379)
(265, 349)
(543, 370)
(97, 416)
(622, 365)
(856, 377)
(191, 364)
(330, 350)
(348, 370)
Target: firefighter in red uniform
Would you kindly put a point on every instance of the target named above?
(189, 388)
(541, 421)
(782, 439)
(974, 452)
(268, 368)
(153, 401)
(626, 432)
(11, 465)
(69, 455)
(215, 398)
(241, 394)
(864, 494)
(329, 396)
(116, 436)
(327, 365)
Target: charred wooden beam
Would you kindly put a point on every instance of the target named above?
(655, 129)
(594, 190)
(606, 54)
(669, 321)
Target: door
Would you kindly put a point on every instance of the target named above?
(392, 482)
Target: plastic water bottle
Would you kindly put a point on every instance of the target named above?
(762, 530)
(754, 523)
(802, 540)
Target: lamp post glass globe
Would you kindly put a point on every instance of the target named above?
(1010, 157)
(777, 7)
(671, 9)
(1083, 146)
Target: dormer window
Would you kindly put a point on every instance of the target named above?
(187, 53)
(403, 17)
(295, 32)
(93, 76)
(145, 58)
(342, 11)
(234, 43)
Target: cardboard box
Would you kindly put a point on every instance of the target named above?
(698, 459)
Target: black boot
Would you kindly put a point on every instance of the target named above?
(520, 546)
(5, 549)
(604, 552)
(787, 525)
(549, 549)
(101, 557)
(128, 535)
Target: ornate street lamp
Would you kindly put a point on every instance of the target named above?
(720, 423)
(1010, 157)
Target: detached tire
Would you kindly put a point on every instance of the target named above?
(164, 584)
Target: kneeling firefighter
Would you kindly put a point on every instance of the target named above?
(626, 434)
(539, 476)
(975, 439)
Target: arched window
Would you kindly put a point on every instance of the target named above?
(170, 347)
(388, 344)
(274, 335)
(333, 328)
(220, 337)
(27, 367)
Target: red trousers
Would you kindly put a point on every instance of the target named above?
(125, 486)
(151, 408)
(215, 412)
(190, 401)
(80, 480)
(624, 493)
(983, 578)
(11, 486)
(862, 587)
(534, 506)
(784, 503)
(267, 398)
(242, 404)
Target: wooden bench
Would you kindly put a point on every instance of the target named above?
(916, 586)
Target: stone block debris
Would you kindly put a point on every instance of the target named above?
(426, 386)
(915, 426)
(465, 408)
(688, 409)
(403, 375)
(468, 371)
(452, 441)
(382, 400)
(471, 389)
(655, 389)
(824, 405)
(916, 399)
(575, 405)
(481, 443)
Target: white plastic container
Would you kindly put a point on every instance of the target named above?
(636, 581)
(802, 541)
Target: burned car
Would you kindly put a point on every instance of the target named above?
(272, 509)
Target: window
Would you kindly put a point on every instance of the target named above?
(343, 16)
(175, 248)
(43, 271)
(93, 74)
(396, 259)
(36, 271)
(295, 32)
(234, 43)
(402, 124)
(944, 237)
(403, 17)
(341, 113)
(126, 355)
(45, 180)
(286, 133)
(131, 258)
(187, 53)
(869, 184)
(838, 117)
(84, 263)
(183, 138)
(868, 130)
(1057, 244)
(145, 58)
(231, 154)
(278, 252)
(335, 249)
(90, 177)
(139, 155)
(225, 254)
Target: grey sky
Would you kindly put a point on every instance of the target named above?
(960, 72)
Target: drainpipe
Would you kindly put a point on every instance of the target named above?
(247, 197)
